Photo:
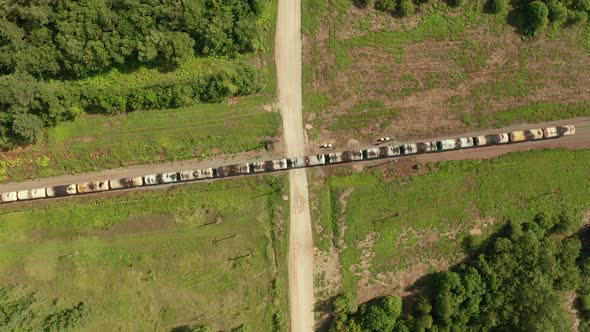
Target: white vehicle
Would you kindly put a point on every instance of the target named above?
(326, 145)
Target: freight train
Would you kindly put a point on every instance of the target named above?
(386, 151)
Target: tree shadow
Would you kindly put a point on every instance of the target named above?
(360, 3)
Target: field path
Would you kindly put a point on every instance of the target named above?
(288, 61)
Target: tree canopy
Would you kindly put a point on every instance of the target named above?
(510, 284)
(66, 38)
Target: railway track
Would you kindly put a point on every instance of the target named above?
(258, 167)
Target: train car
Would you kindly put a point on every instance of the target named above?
(448, 144)
(534, 134)
(126, 183)
(261, 166)
(71, 189)
(150, 180)
(31, 194)
(354, 155)
(407, 149)
(465, 142)
(196, 174)
(491, 139)
(168, 177)
(335, 157)
(296, 162)
(318, 159)
(550, 132)
(233, 170)
(371, 153)
(11, 196)
(566, 130)
(389, 151)
(425, 147)
(92, 187)
(279, 164)
(517, 136)
(60, 191)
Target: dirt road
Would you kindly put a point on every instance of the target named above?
(288, 61)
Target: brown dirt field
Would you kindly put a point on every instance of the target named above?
(437, 83)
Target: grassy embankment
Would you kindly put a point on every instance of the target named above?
(96, 142)
(400, 230)
(148, 261)
(440, 70)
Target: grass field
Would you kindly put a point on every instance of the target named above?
(387, 233)
(441, 70)
(96, 142)
(147, 261)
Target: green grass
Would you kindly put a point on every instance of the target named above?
(424, 218)
(146, 261)
(474, 61)
(102, 142)
(534, 113)
(96, 142)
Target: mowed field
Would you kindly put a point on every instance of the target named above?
(379, 231)
(209, 254)
(440, 71)
(96, 142)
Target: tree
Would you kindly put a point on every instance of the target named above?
(497, 6)
(557, 12)
(28, 128)
(405, 8)
(455, 3)
(536, 18)
(389, 6)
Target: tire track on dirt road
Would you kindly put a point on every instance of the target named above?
(288, 61)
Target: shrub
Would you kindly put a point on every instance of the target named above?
(405, 8)
(557, 12)
(455, 3)
(536, 18)
(497, 6)
(578, 17)
(27, 127)
(389, 6)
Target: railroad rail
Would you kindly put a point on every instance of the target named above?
(380, 152)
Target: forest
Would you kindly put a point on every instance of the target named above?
(47, 44)
(513, 281)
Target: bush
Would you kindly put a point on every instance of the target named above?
(536, 18)
(497, 6)
(578, 17)
(406, 8)
(28, 128)
(557, 12)
(455, 3)
(389, 6)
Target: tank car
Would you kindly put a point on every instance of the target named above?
(91, 187)
(31, 194)
(425, 147)
(371, 153)
(448, 144)
(9, 197)
(550, 132)
(534, 134)
(517, 136)
(279, 164)
(354, 155)
(296, 162)
(566, 130)
(126, 183)
(465, 142)
(233, 170)
(407, 149)
(389, 151)
(491, 139)
(335, 157)
(316, 160)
